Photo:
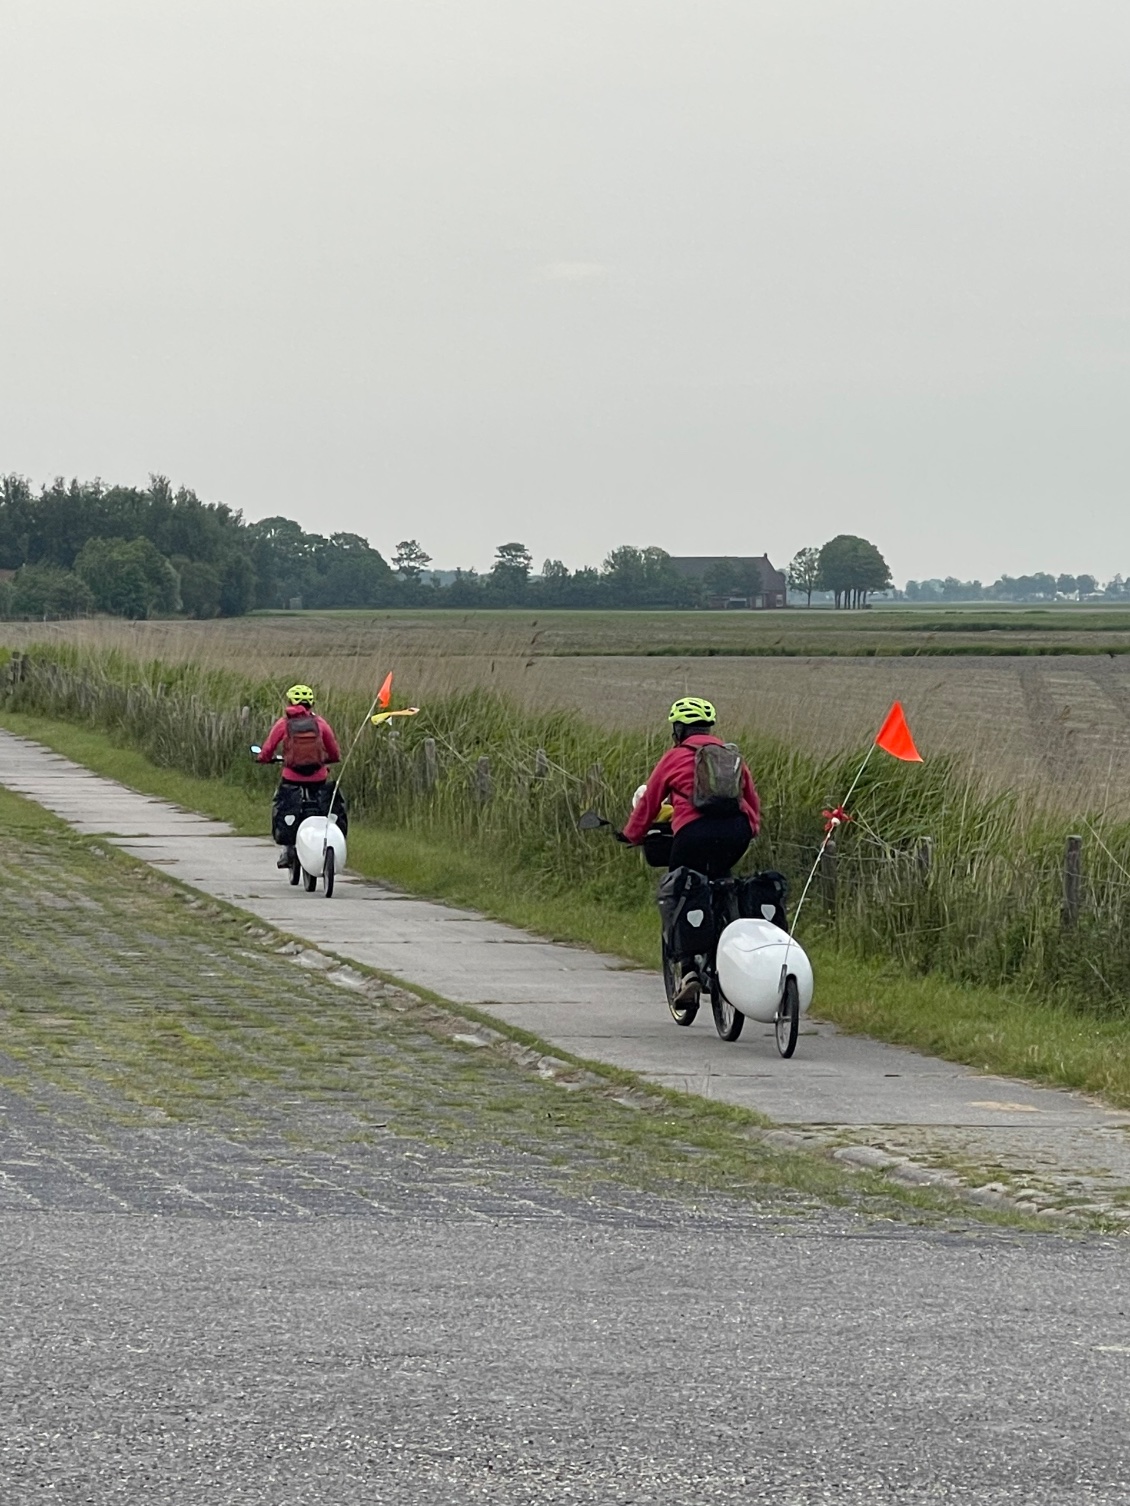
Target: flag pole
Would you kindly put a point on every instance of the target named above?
(835, 821)
(833, 825)
(345, 765)
(894, 738)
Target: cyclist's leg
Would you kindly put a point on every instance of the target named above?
(287, 802)
(711, 846)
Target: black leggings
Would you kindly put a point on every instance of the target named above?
(710, 845)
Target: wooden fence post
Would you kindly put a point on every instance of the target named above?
(1072, 881)
(429, 764)
(541, 764)
(483, 785)
(828, 873)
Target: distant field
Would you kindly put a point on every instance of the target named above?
(1055, 718)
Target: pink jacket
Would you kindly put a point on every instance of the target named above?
(673, 779)
(278, 732)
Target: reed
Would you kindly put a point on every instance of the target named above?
(985, 908)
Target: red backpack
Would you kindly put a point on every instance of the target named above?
(303, 748)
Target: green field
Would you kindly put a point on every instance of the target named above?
(894, 629)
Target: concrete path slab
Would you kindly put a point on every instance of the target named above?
(1060, 1145)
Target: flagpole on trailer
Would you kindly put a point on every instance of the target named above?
(833, 825)
(894, 738)
(385, 692)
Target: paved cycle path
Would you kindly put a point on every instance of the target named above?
(1052, 1145)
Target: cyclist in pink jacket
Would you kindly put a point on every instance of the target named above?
(709, 843)
(716, 812)
(308, 748)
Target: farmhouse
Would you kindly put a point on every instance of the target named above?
(737, 581)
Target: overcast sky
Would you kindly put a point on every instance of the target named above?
(719, 275)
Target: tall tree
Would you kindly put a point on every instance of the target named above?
(851, 568)
(510, 574)
(804, 572)
(410, 560)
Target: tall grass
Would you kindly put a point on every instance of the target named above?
(985, 909)
(1058, 727)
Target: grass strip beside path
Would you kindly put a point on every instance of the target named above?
(986, 1029)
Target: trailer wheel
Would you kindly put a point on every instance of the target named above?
(788, 1018)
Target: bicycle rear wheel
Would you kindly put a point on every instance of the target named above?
(328, 872)
(728, 1021)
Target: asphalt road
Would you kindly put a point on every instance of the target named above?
(516, 1360)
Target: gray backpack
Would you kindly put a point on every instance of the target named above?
(717, 779)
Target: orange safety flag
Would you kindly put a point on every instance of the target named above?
(384, 695)
(894, 736)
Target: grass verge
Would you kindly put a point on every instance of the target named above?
(991, 1030)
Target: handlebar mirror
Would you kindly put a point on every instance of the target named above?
(590, 821)
(256, 749)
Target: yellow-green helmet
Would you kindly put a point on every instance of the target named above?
(300, 695)
(690, 711)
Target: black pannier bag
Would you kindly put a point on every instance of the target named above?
(685, 908)
(300, 800)
(761, 896)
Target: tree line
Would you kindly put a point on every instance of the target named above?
(1040, 586)
(78, 547)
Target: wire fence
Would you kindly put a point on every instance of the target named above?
(929, 874)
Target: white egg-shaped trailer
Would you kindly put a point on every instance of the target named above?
(754, 959)
(314, 836)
